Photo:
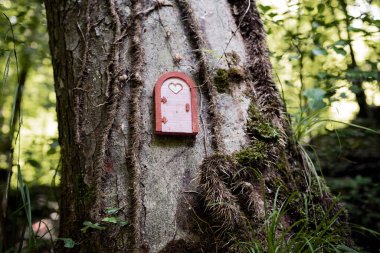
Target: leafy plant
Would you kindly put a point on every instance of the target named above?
(115, 220)
(89, 224)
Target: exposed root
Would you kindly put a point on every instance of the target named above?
(108, 114)
(136, 83)
(214, 183)
(239, 202)
(218, 174)
(156, 5)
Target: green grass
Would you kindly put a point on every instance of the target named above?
(297, 237)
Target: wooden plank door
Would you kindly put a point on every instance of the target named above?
(176, 111)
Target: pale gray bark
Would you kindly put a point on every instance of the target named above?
(170, 164)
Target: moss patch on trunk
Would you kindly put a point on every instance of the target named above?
(224, 78)
(244, 190)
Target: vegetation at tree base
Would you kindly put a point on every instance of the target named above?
(325, 60)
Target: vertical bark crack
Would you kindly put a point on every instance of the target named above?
(78, 90)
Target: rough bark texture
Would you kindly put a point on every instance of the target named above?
(107, 56)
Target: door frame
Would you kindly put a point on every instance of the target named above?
(193, 102)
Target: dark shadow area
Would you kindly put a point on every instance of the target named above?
(44, 220)
(350, 161)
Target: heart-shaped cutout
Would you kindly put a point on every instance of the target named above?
(175, 87)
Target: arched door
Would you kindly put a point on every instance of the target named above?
(176, 105)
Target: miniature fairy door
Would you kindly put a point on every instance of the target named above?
(175, 105)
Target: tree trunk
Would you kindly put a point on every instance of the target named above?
(107, 57)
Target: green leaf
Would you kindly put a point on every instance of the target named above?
(68, 242)
(355, 89)
(293, 57)
(112, 210)
(309, 8)
(115, 220)
(321, 8)
(340, 51)
(322, 75)
(354, 29)
(319, 51)
(315, 24)
(315, 98)
(343, 95)
(110, 220)
(122, 222)
(341, 43)
(34, 163)
(89, 224)
(265, 8)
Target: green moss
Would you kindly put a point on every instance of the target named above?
(221, 80)
(224, 77)
(252, 156)
(253, 113)
(236, 74)
(260, 127)
(266, 130)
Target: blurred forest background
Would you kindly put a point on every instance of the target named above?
(326, 63)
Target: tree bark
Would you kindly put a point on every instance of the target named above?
(107, 57)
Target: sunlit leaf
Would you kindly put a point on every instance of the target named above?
(355, 29)
(319, 51)
(265, 8)
(89, 224)
(110, 219)
(315, 98)
(112, 210)
(293, 57)
(341, 43)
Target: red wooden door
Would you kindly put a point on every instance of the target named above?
(175, 102)
(176, 110)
